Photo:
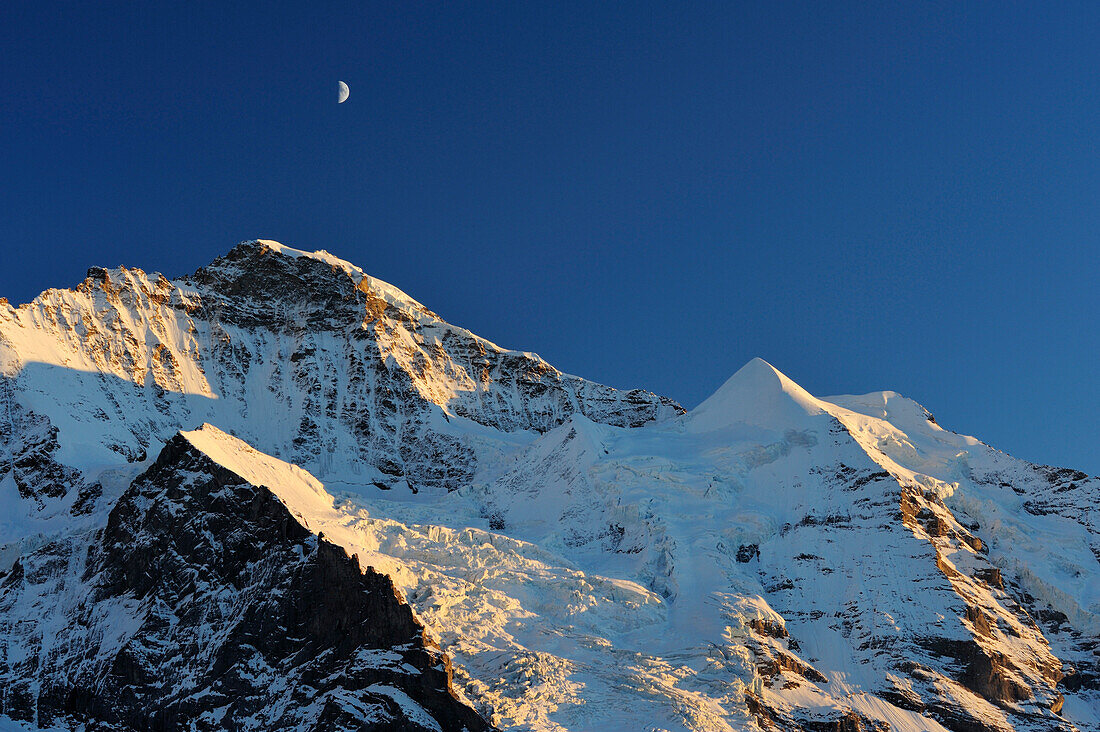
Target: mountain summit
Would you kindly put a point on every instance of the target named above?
(280, 493)
(757, 394)
(301, 354)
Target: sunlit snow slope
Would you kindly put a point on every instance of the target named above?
(590, 558)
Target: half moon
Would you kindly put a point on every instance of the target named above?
(343, 92)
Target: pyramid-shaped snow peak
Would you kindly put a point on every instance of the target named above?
(758, 394)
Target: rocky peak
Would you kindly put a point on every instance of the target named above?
(266, 280)
(256, 284)
(353, 375)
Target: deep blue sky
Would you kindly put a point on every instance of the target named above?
(883, 196)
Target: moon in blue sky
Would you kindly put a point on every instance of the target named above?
(343, 91)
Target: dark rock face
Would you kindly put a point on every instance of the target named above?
(748, 552)
(204, 604)
(775, 721)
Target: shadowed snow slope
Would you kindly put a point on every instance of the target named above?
(590, 558)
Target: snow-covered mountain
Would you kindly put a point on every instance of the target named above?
(584, 557)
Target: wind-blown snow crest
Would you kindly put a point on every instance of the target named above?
(296, 488)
